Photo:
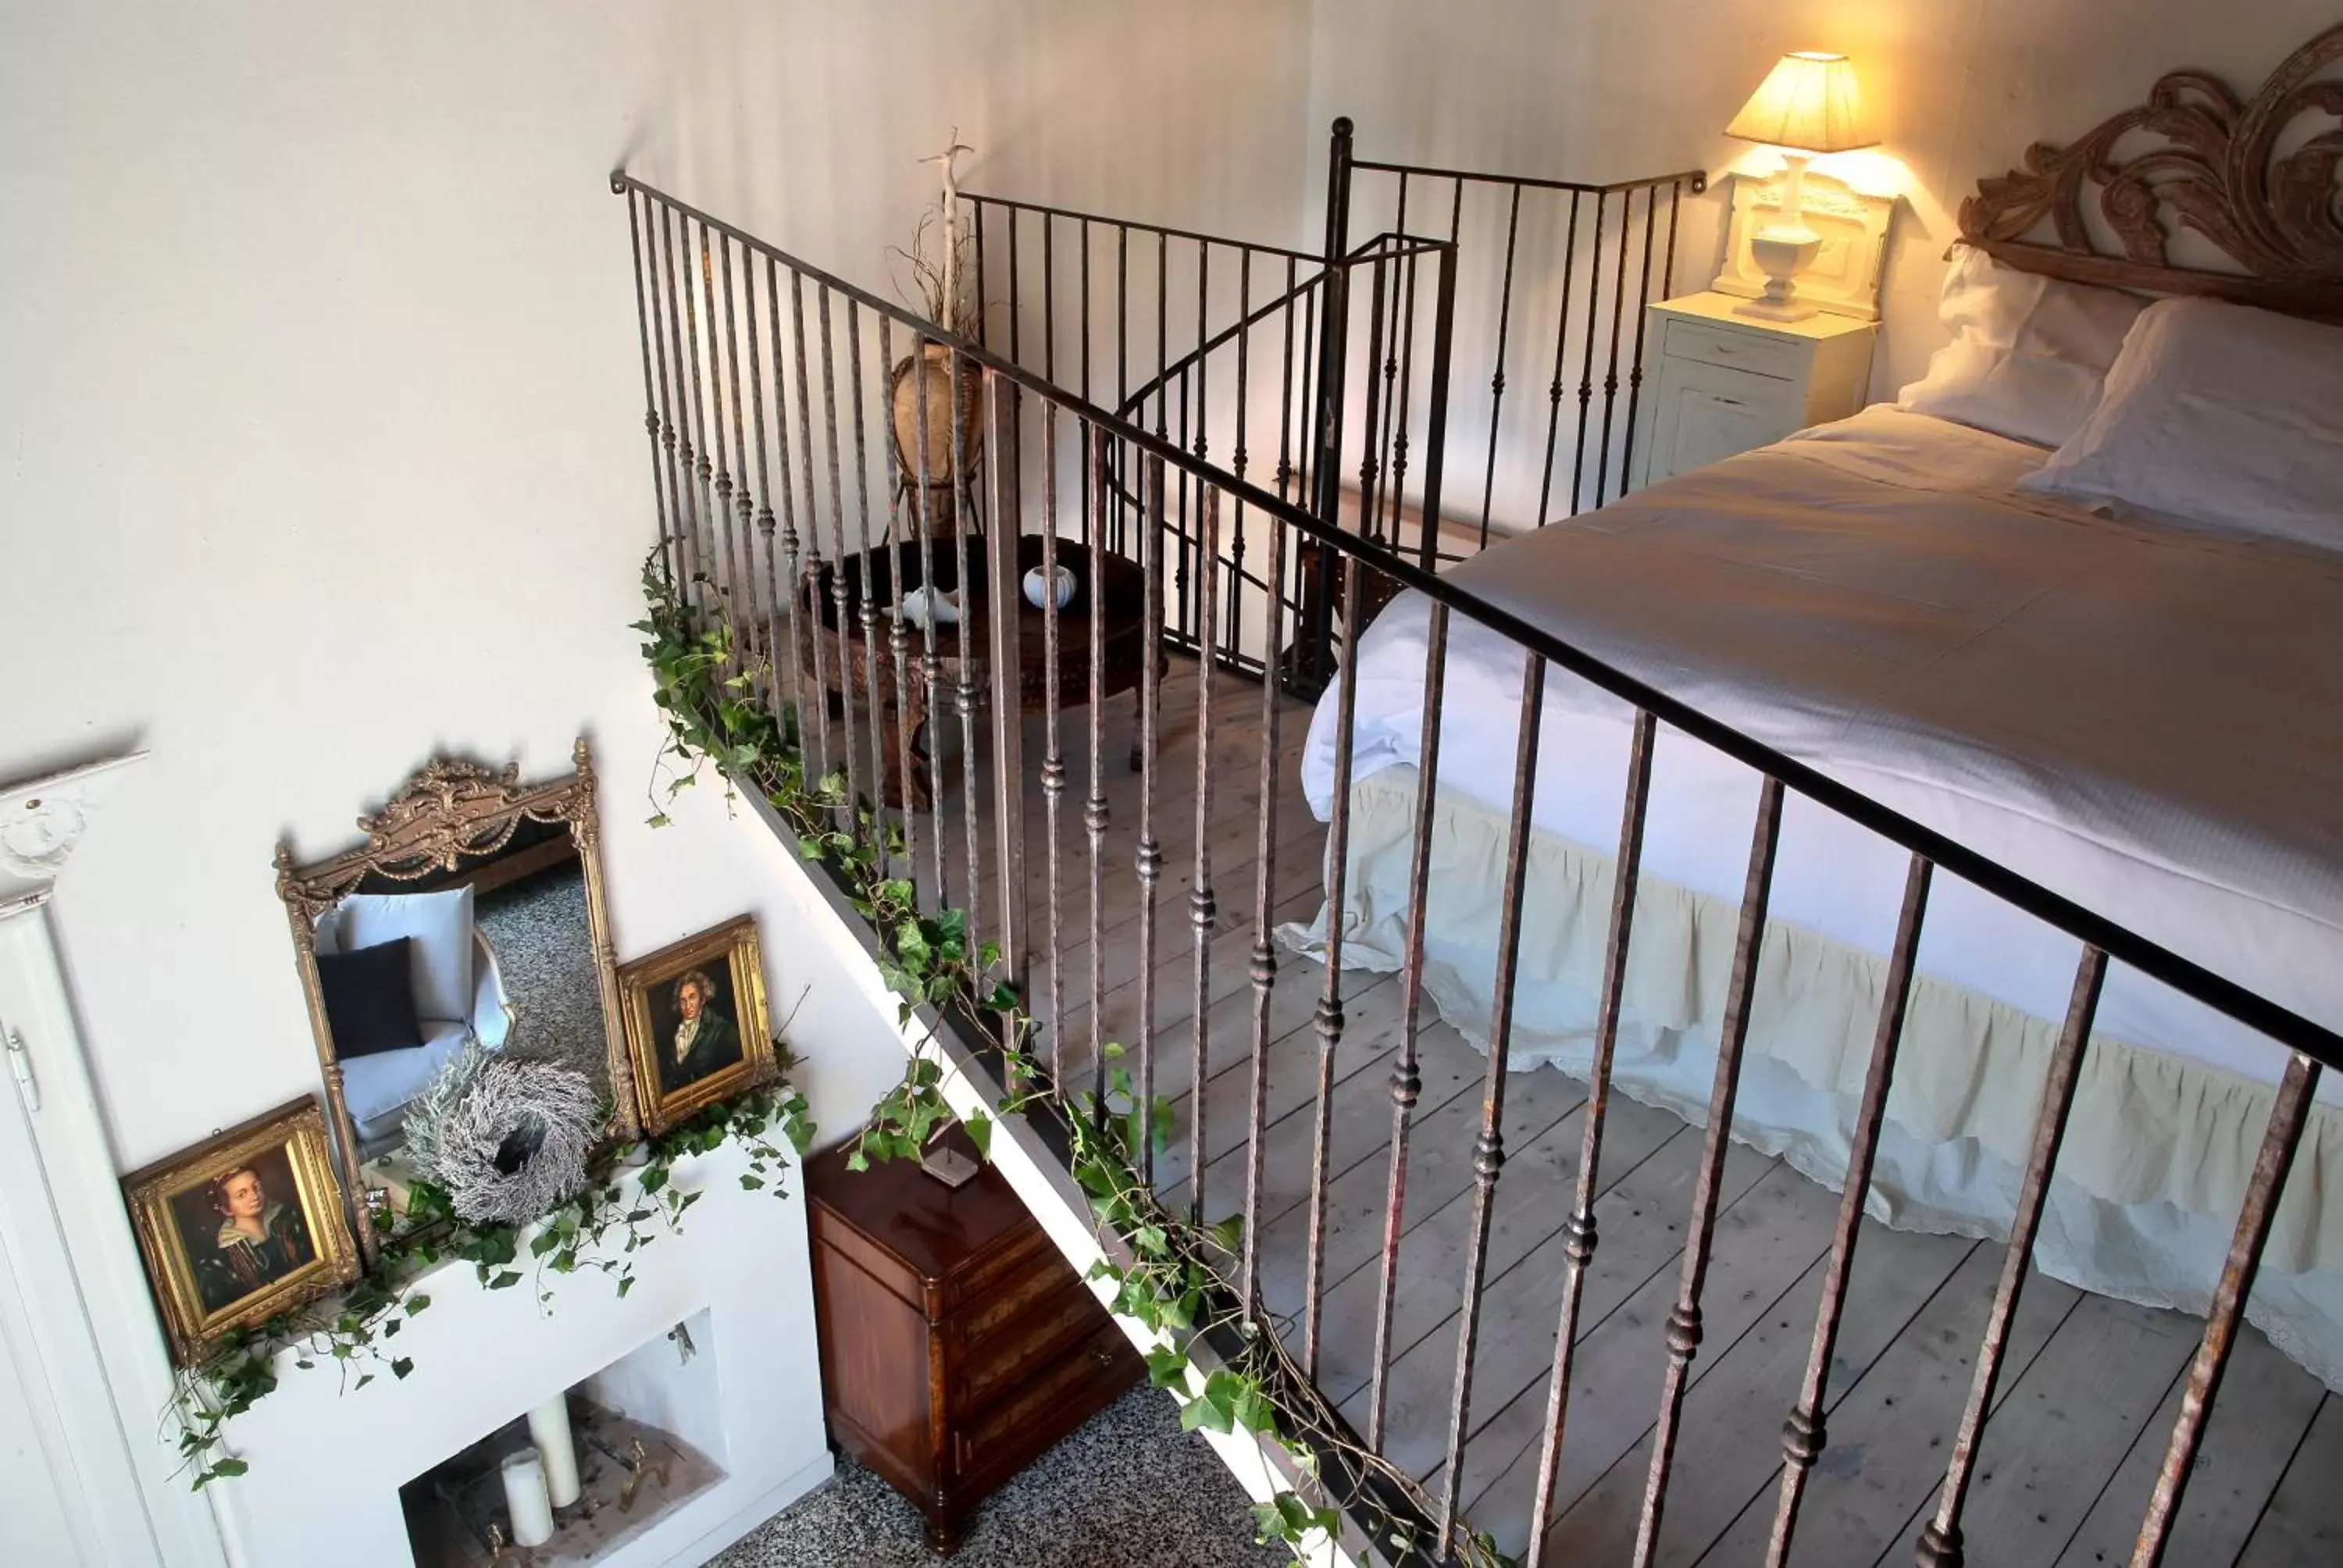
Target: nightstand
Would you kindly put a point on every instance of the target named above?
(1726, 383)
(957, 1343)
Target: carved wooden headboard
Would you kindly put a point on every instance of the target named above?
(2204, 161)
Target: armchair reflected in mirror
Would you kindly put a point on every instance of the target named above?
(473, 909)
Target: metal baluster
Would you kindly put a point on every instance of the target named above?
(931, 668)
(650, 400)
(679, 434)
(1579, 1233)
(1094, 812)
(964, 688)
(1435, 413)
(1560, 343)
(1329, 1002)
(1005, 461)
(841, 555)
(1201, 910)
(1806, 1434)
(785, 571)
(672, 437)
(703, 527)
(1237, 460)
(1684, 1322)
(1199, 626)
(1587, 365)
(1395, 489)
(2281, 1136)
(1386, 360)
(727, 561)
(1149, 858)
(1370, 441)
(1643, 317)
(1264, 971)
(868, 555)
(1016, 304)
(1122, 408)
(1497, 380)
(1087, 382)
(1618, 317)
(769, 582)
(1407, 1078)
(1053, 760)
(806, 590)
(747, 613)
(899, 631)
(1940, 1542)
(1489, 1147)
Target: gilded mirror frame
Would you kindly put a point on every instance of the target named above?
(449, 813)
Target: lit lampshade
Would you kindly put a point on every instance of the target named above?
(1808, 104)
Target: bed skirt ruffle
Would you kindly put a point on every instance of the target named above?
(2159, 1150)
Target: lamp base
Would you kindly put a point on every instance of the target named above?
(1766, 310)
(1782, 252)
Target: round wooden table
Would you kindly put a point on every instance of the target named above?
(847, 669)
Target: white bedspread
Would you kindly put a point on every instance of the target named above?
(2147, 721)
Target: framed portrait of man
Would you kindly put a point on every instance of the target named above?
(245, 1226)
(696, 1026)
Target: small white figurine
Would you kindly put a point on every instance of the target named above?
(925, 608)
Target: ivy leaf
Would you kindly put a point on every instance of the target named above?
(979, 1132)
(1167, 1367)
(504, 1280)
(416, 1303)
(752, 1184)
(401, 1367)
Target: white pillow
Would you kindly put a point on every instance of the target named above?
(2219, 415)
(441, 925)
(2027, 355)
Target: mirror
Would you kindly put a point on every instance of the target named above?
(473, 909)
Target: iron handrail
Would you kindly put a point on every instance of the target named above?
(2282, 1024)
(1698, 180)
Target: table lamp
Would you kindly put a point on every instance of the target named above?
(1807, 105)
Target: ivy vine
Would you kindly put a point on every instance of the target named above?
(1176, 1283)
(601, 1229)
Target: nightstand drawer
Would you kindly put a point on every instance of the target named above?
(1783, 359)
(1704, 412)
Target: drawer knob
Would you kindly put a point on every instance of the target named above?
(1102, 1355)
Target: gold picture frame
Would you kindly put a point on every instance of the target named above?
(292, 1247)
(677, 1074)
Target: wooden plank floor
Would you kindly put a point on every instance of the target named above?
(2089, 1388)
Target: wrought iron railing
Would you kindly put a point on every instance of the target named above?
(763, 378)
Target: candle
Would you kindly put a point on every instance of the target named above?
(524, 1498)
(549, 1427)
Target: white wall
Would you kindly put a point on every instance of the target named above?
(323, 422)
(1614, 89)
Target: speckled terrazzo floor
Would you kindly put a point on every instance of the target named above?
(1128, 1490)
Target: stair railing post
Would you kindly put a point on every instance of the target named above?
(1326, 421)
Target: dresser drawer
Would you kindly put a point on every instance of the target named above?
(1011, 1336)
(1063, 1392)
(1782, 358)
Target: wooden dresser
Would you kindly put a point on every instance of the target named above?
(957, 1344)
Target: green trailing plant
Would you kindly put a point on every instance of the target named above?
(1176, 1283)
(601, 1229)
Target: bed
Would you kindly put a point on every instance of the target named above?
(2141, 714)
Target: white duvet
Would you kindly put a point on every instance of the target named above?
(2146, 720)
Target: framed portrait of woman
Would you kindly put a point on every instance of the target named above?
(243, 1226)
(696, 1030)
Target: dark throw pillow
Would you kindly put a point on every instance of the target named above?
(370, 998)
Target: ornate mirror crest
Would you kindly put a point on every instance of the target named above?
(2215, 169)
(451, 814)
